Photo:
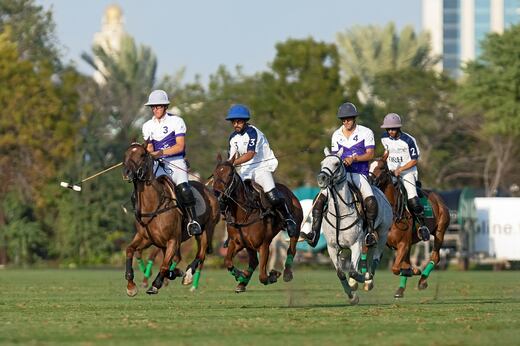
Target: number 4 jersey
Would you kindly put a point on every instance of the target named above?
(401, 150)
(252, 139)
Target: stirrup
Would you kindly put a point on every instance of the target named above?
(371, 239)
(194, 228)
(424, 233)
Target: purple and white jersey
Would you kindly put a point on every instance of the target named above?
(252, 139)
(357, 144)
(401, 150)
(163, 132)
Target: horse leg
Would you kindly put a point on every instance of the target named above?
(356, 262)
(273, 274)
(131, 288)
(253, 263)
(291, 252)
(171, 249)
(239, 275)
(197, 264)
(352, 296)
(141, 265)
(149, 264)
(434, 257)
(405, 269)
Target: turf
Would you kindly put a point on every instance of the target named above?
(90, 307)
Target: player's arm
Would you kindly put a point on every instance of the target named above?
(244, 158)
(251, 148)
(367, 156)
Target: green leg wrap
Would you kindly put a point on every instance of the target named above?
(174, 264)
(363, 263)
(148, 270)
(196, 278)
(402, 281)
(140, 263)
(289, 261)
(426, 272)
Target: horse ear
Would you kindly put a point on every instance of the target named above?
(326, 151)
(219, 158)
(340, 152)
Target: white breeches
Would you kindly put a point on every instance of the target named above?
(410, 183)
(264, 178)
(362, 183)
(175, 169)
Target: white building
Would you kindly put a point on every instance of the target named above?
(457, 26)
(110, 36)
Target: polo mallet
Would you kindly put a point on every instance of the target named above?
(77, 187)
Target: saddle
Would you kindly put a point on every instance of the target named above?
(257, 194)
(360, 203)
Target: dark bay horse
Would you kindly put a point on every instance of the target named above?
(160, 221)
(251, 226)
(402, 234)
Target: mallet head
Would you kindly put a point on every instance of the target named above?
(70, 186)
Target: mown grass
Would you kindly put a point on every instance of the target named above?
(91, 307)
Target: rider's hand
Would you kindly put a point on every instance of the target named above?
(397, 172)
(156, 154)
(348, 161)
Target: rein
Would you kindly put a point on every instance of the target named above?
(339, 176)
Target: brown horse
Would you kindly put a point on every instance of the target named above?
(160, 220)
(253, 225)
(402, 234)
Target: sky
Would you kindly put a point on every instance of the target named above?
(200, 35)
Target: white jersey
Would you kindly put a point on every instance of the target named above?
(252, 139)
(163, 133)
(356, 144)
(400, 150)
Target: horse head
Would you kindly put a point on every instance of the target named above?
(332, 169)
(380, 175)
(137, 163)
(224, 176)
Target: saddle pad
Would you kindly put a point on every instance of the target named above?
(200, 205)
(428, 211)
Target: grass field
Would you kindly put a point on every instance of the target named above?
(91, 307)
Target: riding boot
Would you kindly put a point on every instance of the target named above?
(278, 201)
(187, 200)
(371, 237)
(414, 204)
(313, 236)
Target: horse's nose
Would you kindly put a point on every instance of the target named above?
(323, 180)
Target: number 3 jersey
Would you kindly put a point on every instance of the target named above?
(401, 150)
(356, 144)
(163, 133)
(252, 139)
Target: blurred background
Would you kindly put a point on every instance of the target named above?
(74, 77)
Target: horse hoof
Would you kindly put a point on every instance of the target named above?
(131, 292)
(152, 290)
(353, 284)
(369, 285)
(354, 300)
(144, 284)
(188, 278)
(193, 289)
(287, 275)
(273, 276)
(399, 293)
(240, 288)
(423, 284)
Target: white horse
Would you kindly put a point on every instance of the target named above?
(343, 226)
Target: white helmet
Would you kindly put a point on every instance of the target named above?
(157, 97)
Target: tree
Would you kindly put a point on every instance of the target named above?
(365, 51)
(490, 95)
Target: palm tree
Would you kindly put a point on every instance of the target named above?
(365, 51)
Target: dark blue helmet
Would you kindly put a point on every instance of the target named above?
(347, 110)
(238, 111)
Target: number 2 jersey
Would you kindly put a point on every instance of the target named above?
(401, 150)
(252, 139)
(356, 144)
